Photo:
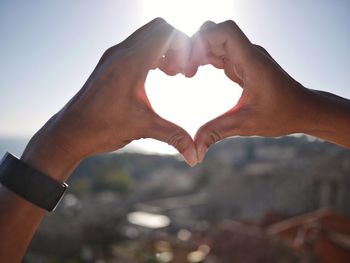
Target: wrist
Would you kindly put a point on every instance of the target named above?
(309, 117)
(329, 117)
(48, 154)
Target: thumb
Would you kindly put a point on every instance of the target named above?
(170, 133)
(226, 125)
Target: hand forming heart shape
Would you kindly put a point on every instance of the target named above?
(112, 108)
(270, 96)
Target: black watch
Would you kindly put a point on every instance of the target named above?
(30, 184)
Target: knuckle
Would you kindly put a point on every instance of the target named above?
(159, 20)
(178, 140)
(230, 28)
(258, 47)
(229, 25)
(108, 52)
(212, 135)
(207, 23)
(261, 49)
(213, 138)
(112, 52)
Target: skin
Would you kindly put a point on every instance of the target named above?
(109, 111)
(272, 102)
(112, 109)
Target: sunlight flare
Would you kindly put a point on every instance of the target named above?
(186, 15)
(188, 102)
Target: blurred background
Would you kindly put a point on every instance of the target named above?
(251, 200)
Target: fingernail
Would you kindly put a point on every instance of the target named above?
(190, 156)
(202, 150)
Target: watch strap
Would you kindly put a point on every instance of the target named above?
(30, 184)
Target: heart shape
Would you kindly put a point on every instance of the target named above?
(225, 46)
(191, 102)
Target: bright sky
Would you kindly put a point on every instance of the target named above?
(49, 48)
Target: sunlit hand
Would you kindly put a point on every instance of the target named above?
(272, 103)
(112, 108)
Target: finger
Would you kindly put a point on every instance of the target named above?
(208, 58)
(180, 47)
(137, 35)
(223, 45)
(165, 41)
(168, 68)
(224, 126)
(225, 40)
(176, 57)
(143, 31)
(207, 24)
(170, 133)
(211, 59)
(169, 64)
(198, 56)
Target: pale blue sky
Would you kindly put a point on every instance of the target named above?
(49, 48)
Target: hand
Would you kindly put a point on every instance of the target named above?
(112, 108)
(272, 103)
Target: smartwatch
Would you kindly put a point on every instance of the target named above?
(30, 184)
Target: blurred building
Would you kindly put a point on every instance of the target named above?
(323, 233)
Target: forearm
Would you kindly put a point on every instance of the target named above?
(328, 117)
(19, 218)
(18, 221)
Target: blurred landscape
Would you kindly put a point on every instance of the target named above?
(251, 200)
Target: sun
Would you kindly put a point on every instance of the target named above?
(188, 15)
